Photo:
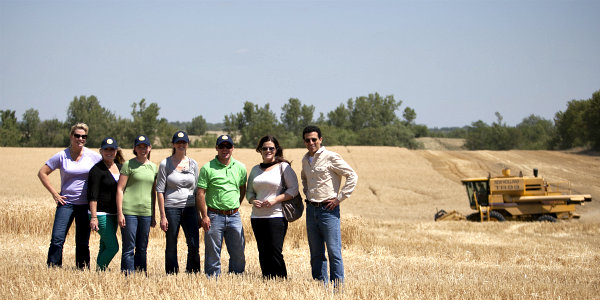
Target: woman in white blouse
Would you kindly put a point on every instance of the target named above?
(266, 192)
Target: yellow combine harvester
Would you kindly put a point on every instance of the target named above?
(521, 198)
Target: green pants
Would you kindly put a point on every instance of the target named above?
(109, 245)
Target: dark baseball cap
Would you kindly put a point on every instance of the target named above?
(180, 136)
(224, 139)
(142, 139)
(109, 143)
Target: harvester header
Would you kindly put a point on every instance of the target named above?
(521, 197)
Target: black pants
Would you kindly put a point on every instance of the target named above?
(270, 233)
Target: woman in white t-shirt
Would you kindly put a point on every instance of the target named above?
(71, 201)
(265, 193)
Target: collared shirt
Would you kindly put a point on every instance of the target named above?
(321, 178)
(222, 183)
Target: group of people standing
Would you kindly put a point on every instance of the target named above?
(102, 192)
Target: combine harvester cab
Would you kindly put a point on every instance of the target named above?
(521, 198)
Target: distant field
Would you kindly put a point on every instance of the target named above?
(433, 143)
(392, 247)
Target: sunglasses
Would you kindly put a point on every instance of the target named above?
(223, 146)
(78, 136)
(314, 140)
(268, 148)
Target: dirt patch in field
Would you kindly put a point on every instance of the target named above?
(433, 143)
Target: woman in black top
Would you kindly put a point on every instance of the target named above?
(102, 190)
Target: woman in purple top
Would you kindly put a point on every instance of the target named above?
(74, 163)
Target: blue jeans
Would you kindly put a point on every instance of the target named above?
(230, 228)
(187, 218)
(65, 214)
(323, 230)
(135, 243)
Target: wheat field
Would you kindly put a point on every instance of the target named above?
(392, 248)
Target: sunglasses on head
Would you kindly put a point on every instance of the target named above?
(314, 140)
(82, 136)
(268, 148)
(225, 145)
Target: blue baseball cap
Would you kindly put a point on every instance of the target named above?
(180, 136)
(109, 143)
(224, 139)
(142, 139)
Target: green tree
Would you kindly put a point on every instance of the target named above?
(409, 115)
(88, 110)
(496, 137)
(198, 126)
(146, 122)
(373, 111)
(53, 133)
(536, 133)
(10, 135)
(339, 117)
(388, 135)
(503, 137)
(334, 135)
(419, 130)
(592, 121)
(206, 141)
(252, 123)
(122, 131)
(569, 125)
(290, 115)
(30, 128)
(294, 117)
(478, 135)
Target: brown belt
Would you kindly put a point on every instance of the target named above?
(223, 212)
(316, 204)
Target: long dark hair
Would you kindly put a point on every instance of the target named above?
(279, 151)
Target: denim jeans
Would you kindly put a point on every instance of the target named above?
(270, 234)
(109, 245)
(187, 218)
(230, 228)
(65, 214)
(323, 230)
(135, 243)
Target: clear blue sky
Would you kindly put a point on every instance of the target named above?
(454, 62)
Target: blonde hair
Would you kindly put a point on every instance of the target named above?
(81, 126)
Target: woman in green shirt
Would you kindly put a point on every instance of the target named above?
(136, 197)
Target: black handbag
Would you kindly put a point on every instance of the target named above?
(293, 208)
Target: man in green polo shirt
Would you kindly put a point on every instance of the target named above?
(221, 189)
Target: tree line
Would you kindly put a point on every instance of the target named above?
(576, 127)
(365, 120)
(33, 132)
